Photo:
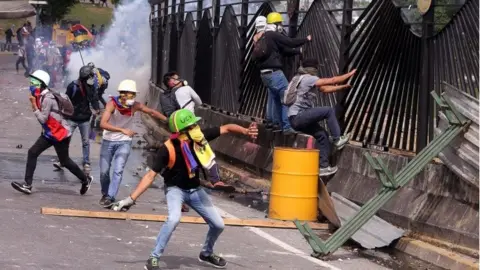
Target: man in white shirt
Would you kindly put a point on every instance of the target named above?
(185, 96)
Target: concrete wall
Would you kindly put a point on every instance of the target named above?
(435, 203)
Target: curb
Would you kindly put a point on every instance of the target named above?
(435, 255)
(235, 176)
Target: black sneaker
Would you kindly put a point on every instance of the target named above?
(108, 202)
(86, 186)
(102, 200)
(213, 260)
(22, 187)
(152, 264)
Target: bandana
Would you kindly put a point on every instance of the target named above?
(122, 109)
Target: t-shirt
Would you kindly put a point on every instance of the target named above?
(178, 175)
(305, 95)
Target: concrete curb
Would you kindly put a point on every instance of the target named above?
(438, 256)
(435, 255)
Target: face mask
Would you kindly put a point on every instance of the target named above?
(129, 102)
(90, 81)
(196, 134)
(33, 89)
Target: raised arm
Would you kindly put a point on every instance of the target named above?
(140, 107)
(334, 80)
(287, 41)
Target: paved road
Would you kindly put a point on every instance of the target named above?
(34, 241)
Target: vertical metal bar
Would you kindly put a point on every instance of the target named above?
(181, 12)
(344, 59)
(292, 32)
(424, 104)
(174, 6)
(244, 21)
(199, 9)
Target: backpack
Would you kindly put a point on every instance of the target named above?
(260, 49)
(65, 106)
(290, 95)
(168, 102)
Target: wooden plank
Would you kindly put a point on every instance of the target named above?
(325, 204)
(185, 219)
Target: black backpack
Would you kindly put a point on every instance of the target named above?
(168, 102)
(260, 49)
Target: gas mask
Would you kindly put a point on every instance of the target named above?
(90, 81)
(196, 135)
(129, 98)
(130, 102)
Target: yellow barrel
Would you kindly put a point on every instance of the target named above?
(293, 194)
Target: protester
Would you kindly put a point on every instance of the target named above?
(53, 59)
(47, 107)
(117, 123)
(305, 117)
(179, 95)
(83, 96)
(100, 82)
(268, 53)
(21, 58)
(8, 37)
(190, 150)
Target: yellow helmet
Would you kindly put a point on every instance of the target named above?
(274, 17)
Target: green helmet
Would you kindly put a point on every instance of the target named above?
(181, 119)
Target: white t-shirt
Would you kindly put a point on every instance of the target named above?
(186, 94)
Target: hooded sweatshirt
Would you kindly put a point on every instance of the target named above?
(54, 125)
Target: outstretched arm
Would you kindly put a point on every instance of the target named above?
(333, 88)
(251, 131)
(146, 181)
(334, 80)
(152, 112)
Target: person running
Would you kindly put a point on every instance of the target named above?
(117, 123)
(21, 59)
(55, 132)
(304, 116)
(100, 81)
(179, 161)
(83, 96)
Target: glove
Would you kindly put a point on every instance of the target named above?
(123, 205)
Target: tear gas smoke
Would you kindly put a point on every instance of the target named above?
(125, 51)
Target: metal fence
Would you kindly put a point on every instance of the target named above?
(388, 105)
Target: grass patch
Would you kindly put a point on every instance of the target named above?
(87, 14)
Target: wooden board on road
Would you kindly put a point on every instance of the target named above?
(185, 219)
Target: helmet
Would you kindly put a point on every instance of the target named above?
(274, 17)
(181, 119)
(41, 76)
(85, 72)
(128, 86)
(260, 23)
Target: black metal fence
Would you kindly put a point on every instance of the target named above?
(388, 105)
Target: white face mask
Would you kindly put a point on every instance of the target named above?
(130, 102)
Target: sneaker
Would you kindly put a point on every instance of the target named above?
(340, 142)
(86, 168)
(58, 165)
(22, 187)
(102, 200)
(86, 186)
(152, 264)
(108, 202)
(328, 171)
(213, 260)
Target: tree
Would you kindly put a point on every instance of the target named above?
(56, 10)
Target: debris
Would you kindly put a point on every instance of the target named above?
(373, 234)
(19, 146)
(119, 239)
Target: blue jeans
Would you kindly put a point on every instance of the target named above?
(276, 84)
(197, 199)
(307, 122)
(84, 128)
(116, 153)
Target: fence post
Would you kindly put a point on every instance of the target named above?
(199, 9)
(425, 103)
(293, 7)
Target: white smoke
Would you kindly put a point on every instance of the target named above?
(130, 26)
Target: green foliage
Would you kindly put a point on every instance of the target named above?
(55, 10)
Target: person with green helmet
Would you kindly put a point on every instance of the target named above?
(179, 160)
(278, 46)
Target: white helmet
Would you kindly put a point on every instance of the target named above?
(260, 23)
(127, 86)
(41, 76)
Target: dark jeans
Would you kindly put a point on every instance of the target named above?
(61, 148)
(21, 60)
(307, 122)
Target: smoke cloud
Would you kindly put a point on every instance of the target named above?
(126, 48)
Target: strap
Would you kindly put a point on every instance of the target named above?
(171, 154)
(188, 102)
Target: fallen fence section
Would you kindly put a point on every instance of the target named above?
(391, 184)
(186, 219)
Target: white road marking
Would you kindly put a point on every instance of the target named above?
(280, 243)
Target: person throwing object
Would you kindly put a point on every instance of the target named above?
(178, 161)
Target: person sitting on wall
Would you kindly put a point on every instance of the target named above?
(179, 95)
(269, 47)
(304, 116)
